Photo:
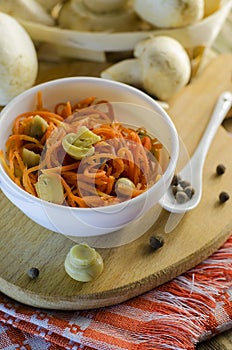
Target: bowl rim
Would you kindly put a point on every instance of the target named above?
(20, 193)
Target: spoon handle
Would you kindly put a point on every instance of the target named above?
(221, 108)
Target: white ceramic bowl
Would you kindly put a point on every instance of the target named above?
(90, 221)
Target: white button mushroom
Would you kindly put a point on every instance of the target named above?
(127, 71)
(170, 14)
(165, 67)
(18, 63)
(161, 67)
(75, 15)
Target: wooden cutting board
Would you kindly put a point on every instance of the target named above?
(133, 268)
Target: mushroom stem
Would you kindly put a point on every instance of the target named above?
(127, 71)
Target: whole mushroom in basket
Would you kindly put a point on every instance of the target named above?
(161, 67)
(171, 13)
(98, 15)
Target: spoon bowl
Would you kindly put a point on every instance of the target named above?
(193, 170)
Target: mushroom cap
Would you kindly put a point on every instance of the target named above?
(19, 63)
(99, 6)
(76, 16)
(171, 13)
(165, 67)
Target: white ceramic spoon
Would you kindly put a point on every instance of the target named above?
(193, 170)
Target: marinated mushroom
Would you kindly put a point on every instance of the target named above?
(124, 187)
(37, 127)
(75, 15)
(49, 188)
(161, 67)
(169, 14)
(80, 145)
(30, 158)
(83, 263)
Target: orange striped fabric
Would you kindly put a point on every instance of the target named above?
(175, 316)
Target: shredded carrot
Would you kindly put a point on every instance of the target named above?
(84, 103)
(9, 171)
(110, 184)
(21, 138)
(121, 153)
(27, 183)
(20, 161)
(146, 142)
(39, 105)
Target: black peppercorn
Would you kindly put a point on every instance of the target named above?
(174, 190)
(220, 169)
(175, 180)
(181, 189)
(184, 184)
(33, 273)
(189, 190)
(223, 197)
(181, 197)
(156, 242)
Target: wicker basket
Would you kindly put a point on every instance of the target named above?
(93, 46)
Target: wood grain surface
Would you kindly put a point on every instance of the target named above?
(222, 341)
(222, 45)
(130, 269)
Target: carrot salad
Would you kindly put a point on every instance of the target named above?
(79, 155)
